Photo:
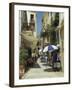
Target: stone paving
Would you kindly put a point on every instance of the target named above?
(42, 70)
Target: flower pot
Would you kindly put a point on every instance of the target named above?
(21, 71)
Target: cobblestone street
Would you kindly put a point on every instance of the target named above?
(42, 70)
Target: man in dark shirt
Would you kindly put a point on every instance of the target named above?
(54, 60)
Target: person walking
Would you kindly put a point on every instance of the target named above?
(54, 61)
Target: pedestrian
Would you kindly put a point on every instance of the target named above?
(46, 58)
(59, 62)
(54, 60)
(58, 56)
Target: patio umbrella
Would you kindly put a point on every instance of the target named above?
(50, 48)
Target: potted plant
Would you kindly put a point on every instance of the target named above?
(22, 62)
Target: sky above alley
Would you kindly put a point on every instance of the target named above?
(39, 22)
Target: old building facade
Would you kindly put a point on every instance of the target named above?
(28, 27)
(53, 25)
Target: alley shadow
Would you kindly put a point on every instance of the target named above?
(46, 64)
(43, 61)
(49, 70)
(52, 70)
(36, 65)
